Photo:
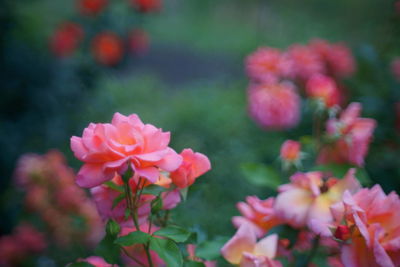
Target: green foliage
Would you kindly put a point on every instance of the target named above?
(156, 205)
(167, 250)
(107, 248)
(210, 250)
(133, 238)
(261, 175)
(176, 233)
(154, 190)
(193, 264)
(340, 170)
(80, 264)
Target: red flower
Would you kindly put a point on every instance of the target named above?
(107, 48)
(66, 39)
(147, 6)
(91, 7)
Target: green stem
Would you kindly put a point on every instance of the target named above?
(313, 250)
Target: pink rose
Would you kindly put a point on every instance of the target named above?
(109, 148)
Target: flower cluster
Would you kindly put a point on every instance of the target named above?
(107, 47)
(22, 243)
(276, 78)
(49, 184)
(135, 178)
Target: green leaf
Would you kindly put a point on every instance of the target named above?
(115, 187)
(118, 199)
(80, 264)
(113, 228)
(193, 264)
(133, 238)
(108, 250)
(167, 250)
(184, 192)
(156, 205)
(210, 250)
(176, 233)
(154, 190)
(261, 175)
(340, 170)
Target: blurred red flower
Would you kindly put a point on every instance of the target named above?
(146, 6)
(91, 7)
(66, 39)
(107, 48)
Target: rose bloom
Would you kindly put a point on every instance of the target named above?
(107, 48)
(353, 135)
(267, 65)
(66, 38)
(146, 6)
(104, 197)
(91, 7)
(109, 148)
(306, 62)
(373, 224)
(194, 165)
(395, 65)
(338, 57)
(323, 89)
(306, 200)
(244, 250)
(290, 151)
(258, 214)
(138, 42)
(274, 106)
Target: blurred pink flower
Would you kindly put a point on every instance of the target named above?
(146, 6)
(267, 65)
(244, 250)
(192, 256)
(22, 243)
(306, 62)
(259, 214)
(306, 200)
(274, 106)
(138, 41)
(338, 57)
(107, 149)
(194, 164)
(323, 89)
(352, 136)
(290, 151)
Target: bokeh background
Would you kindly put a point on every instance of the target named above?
(189, 80)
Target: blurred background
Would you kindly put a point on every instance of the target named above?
(178, 64)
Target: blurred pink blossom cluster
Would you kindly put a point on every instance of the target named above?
(69, 215)
(278, 78)
(22, 243)
(357, 226)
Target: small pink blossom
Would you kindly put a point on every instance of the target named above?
(259, 214)
(244, 250)
(274, 106)
(194, 165)
(109, 148)
(324, 89)
(353, 135)
(290, 151)
(267, 65)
